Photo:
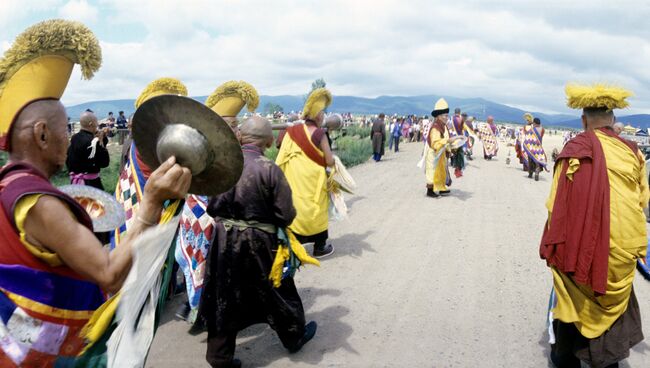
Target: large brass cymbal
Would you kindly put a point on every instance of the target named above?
(171, 125)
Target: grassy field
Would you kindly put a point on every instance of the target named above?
(353, 148)
(109, 175)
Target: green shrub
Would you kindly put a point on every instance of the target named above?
(353, 151)
(355, 130)
(109, 175)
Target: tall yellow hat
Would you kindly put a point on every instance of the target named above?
(597, 96)
(38, 66)
(441, 107)
(529, 117)
(229, 98)
(161, 86)
(317, 101)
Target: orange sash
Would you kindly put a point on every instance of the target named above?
(298, 135)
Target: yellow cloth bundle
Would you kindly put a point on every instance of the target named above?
(284, 254)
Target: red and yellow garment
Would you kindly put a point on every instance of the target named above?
(44, 305)
(593, 292)
(303, 165)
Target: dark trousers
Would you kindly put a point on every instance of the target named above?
(563, 351)
(396, 144)
(221, 346)
(533, 167)
(319, 240)
(604, 351)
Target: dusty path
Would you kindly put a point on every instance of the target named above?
(420, 282)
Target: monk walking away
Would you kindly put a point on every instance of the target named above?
(533, 148)
(595, 233)
(378, 137)
(244, 281)
(196, 226)
(304, 155)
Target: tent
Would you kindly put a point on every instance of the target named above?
(629, 129)
(641, 133)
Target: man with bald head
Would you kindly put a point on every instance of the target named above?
(54, 273)
(48, 237)
(87, 153)
(237, 291)
(618, 127)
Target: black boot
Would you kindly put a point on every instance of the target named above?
(310, 331)
(183, 311)
(431, 193)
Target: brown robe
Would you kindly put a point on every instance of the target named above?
(378, 136)
(238, 292)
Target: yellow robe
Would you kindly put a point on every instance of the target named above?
(437, 176)
(308, 182)
(628, 183)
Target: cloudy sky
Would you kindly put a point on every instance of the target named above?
(516, 52)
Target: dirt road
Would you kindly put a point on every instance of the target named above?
(420, 282)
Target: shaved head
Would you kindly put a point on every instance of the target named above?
(88, 121)
(618, 127)
(39, 136)
(256, 130)
(593, 118)
(44, 111)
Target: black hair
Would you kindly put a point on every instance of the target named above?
(598, 112)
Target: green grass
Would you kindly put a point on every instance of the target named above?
(271, 153)
(355, 130)
(109, 175)
(353, 149)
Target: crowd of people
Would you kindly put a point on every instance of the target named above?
(239, 250)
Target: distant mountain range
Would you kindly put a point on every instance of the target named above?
(419, 105)
(637, 121)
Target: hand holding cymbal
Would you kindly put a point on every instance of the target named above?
(198, 138)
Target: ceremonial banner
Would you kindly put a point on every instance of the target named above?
(196, 232)
(130, 187)
(489, 140)
(532, 144)
(139, 308)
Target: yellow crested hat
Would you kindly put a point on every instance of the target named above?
(318, 100)
(598, 95)
(161, 86)
(229, 98)
(529, 117)
(441, 107)
(39, 64)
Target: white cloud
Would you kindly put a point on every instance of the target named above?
(79, 10)
(519, 53)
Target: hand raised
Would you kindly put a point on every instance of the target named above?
(168, 181)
